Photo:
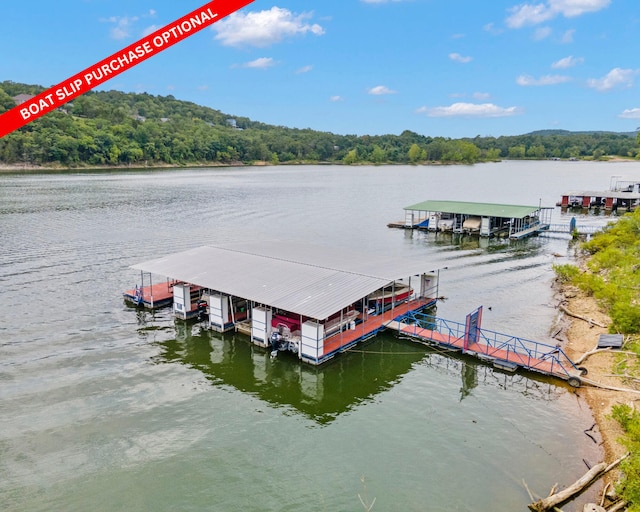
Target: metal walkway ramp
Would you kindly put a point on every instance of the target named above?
(502, 350)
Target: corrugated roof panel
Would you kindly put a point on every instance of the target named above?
(315, 288)
(371, 263)
(508, 211)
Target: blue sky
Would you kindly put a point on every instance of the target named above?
(437, 67)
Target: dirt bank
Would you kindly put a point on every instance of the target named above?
(581, 336)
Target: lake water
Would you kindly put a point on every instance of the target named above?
(106, 408)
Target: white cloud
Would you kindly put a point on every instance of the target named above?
(630, 113)
(567, 62)
(492, 29)
(533, 14)
(542, 33)
(380, 1)
(525, 14)
(304, 69)
(150, 30)
(379, 90)
(572, 8)
(261, 63)
(459, 58)
(527, 80)
(264, 28)
(617, 77)
(124, 25)
(336, 98)
(470, 110)
(567, 37)
(481, 96)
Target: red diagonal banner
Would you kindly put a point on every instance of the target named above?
(125, 59)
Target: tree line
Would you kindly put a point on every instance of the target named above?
(111, 128)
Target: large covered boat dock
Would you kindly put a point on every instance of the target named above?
(483, 219)
(309, 300)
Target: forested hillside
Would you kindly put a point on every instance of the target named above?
(114, 128)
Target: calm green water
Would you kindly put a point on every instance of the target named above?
(106, 408)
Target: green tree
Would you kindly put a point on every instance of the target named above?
(378, 155)
(517, 151)
(492, 154)
(414, 153)
(537, 151)
(351, 157)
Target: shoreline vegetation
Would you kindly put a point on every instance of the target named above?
(113, 130)
(599, 296)
(33, 168)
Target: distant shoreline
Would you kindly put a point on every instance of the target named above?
(29, 168)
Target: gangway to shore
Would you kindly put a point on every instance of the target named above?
(571, 229)
(504, 351)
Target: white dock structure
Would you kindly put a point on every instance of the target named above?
(310, 300)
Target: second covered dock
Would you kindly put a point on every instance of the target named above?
(483, 219)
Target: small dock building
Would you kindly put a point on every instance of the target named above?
(483, 219)
(313, 301)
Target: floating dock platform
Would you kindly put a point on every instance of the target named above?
(482, 219)
(154, 296)
(505, 352)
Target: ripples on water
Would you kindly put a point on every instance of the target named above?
(103, 407)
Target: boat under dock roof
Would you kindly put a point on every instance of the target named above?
(314, 281)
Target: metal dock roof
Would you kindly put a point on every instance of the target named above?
(605, 193)
(313, 281)
(508, 211)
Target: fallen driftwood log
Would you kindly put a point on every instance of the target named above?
(597, 350)
(610, 388)
(550, 502)
(591, 352)
(580, 317)
(618, 506)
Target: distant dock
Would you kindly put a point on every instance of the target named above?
(482, 219)
(622, 195)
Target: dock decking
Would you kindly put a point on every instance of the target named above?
(503, 351)
(371, 326)
(152, 296)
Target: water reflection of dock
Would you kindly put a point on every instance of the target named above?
(324, 393)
